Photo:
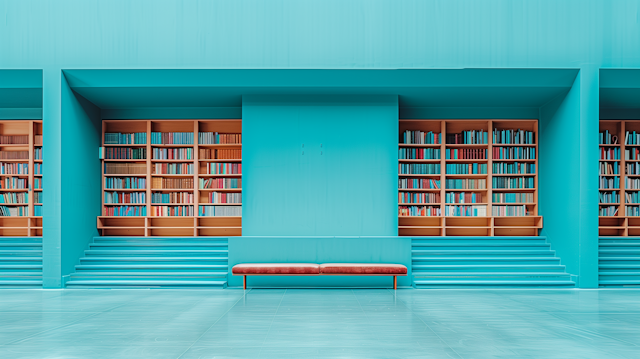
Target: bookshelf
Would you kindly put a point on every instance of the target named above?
(619, 178)
(171, 178)
(450, 184)
(21, 178)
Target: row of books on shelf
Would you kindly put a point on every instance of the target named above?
(608, 138)
(156, 197)
(412, 153)
(632, 168)
(177, 183)
(19, 183)
(609, 182)
(219, 138)
(172, 183)
(462, 197)
(115, 168)
(125, 197)
(463, 211)
(607, 168)
(172, 138)
(513, 182)
(119, 138)
(172, 153)
(418, 197)
(12, 168)
(466, 153)
(611, 211)
(14, 155)
(122, 153)
(14, 139)
(166, 211)
(225, 197)
(14, 211)
(419, 168)
(420, 137)
(219, 183)
(513, 168)
(37, 140)
(221, 154)
(418, 183)
(172, 168)
(172, 197)
(14, 197)
(609, 153)
(525, 197)
(466, 183)
(614, 197)
(471, 137)
(514, 153)
(516, 137)
(224, 168)
(466, 168)
(37, 153)
(125, 182)
(37, 168)
(632, 154)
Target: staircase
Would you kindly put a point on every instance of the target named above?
(152, 262)
(619, 262)
(20, 262)
(481, 262)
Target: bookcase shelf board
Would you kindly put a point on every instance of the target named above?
(171, 178)
(21, 178)
(468, 178)
(619, 178)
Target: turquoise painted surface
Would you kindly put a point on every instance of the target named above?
(20, 94)
(315, 166)
(319, 249)
(364, 34)
(319, 323)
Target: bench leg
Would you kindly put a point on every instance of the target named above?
(395, 282)
(244, 282)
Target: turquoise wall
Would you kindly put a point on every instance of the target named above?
(319, 166)
(338, 34)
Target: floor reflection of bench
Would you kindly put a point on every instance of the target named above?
(352, 269)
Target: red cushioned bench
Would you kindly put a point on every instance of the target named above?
(273, 269)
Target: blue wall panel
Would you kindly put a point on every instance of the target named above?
(320, 166)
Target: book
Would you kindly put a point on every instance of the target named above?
(418, 183)
(14, 139)
(220, 211)
(13, 168)
(607, 211)
(172, 168)
(125, 182)
(172, 197)
(125, 211)
(514, 153)
(171, 183)
(18, 183)
(519, 137)
(172, 211)
(509, 211)
(119, 138)
(14, 155)
(172, 138)
(210, 138)
(419, 211)
(471, 137)
(224, 197)
(411, 153)
(420, 137)
(222, 154)
(418, 197)
(466, 211)
(172, 153)
(466, 153)
(14, 197)
(513, 168)
(609, 153)
(125, 197)
(463, 197)
(224, 168)
(419, 168)
(124, 153)
(219, 183)
(466, 168)
(14, 211)
(466, 183)
(116, 168)
(525, 197)
(513, 182)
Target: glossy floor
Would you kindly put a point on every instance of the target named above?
(320, 323)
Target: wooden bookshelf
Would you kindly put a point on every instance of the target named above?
(187, 223)
(615, 215)
(27, 224)
(482, 222)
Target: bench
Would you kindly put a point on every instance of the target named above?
(275, 269)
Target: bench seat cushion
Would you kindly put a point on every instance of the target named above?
(363, 268)
(276, 268)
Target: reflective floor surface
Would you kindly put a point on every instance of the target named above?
(320, 323)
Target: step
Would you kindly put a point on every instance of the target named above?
(445, 283)
(21, 282)
(151, 266)
(155, 259)
(5, 274)
(467, 244)
(14, 244)
(160, 239)
(484, 259)
(155, 251)
(466, 252)
(20, 259)
(20, 252)
(490, 274)
(487, 267)
(148, 283)
(621, 251)
(620, 244)
(130, 273)
(481, 237)
(159, 244)
(619, 266)
(619, 282)
(4, 266)
(619, 259)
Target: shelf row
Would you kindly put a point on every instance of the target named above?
(170, 226)
(469, 226)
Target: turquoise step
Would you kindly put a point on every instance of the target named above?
(154, 259)
(471, 245)
(466, 283)
(20, 245)
(148, 283)
(150, 273)
(487, 268)
(619, 266)
(160, 266)
(620, 282)
(21, 282)
(490, 275)
(482, 238)
(156, 252)
(486, 260)
(21, 252)
(116, 245)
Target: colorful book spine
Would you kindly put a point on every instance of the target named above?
(220, 211)
(37, 153)
(608, 211)
(419, 211)
(514, 153)
(631, 138)
(172, 153)
(514, 168)
(630, 197)
(472, 137)
(225, 197)
(516, 137)
(171, 183)
(19, 183)
(609, 153)
(609, 168)
(220, 154)
(512, 197)
(410, 153)
(125, 197)
(125, 211)
(466, 153)
(466, 168)
(124, 153)
(37, 197)
(420, 137)
(462, 197)
(224, 168)
(510, 211)
(114, 168)
(213, 138)
(418, 197)
(172, 197)
(14, 211)
(14, 168)
(629, 183)
(173, 168)
(220, 183)
(632, 211)
(37, 168)
(172, 211)
(419, 168)
(37, 183)
(37, 211)
(466, 183)
(118, 138)
(513, 182)
(125, 182)
(172, 138)
(418, 183)
(632, 154)
(14, 197)
(466, 211)
(611, 182)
